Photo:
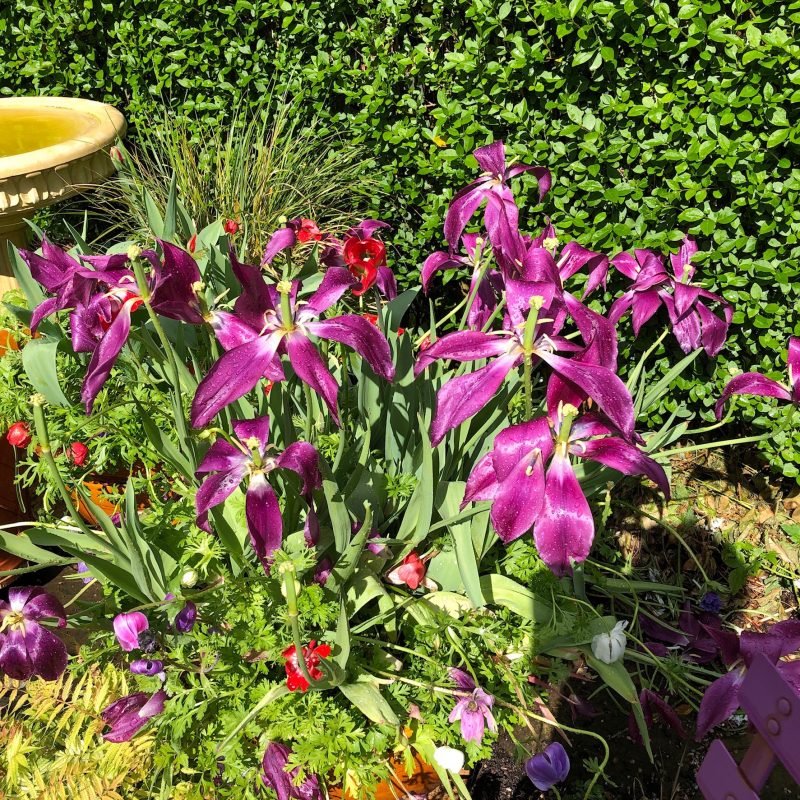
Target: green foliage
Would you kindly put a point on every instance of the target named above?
(655, 118)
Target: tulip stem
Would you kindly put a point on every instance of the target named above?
(294, 618)
(708, 445)
(527, 345)
(473, 293)
(309, 405)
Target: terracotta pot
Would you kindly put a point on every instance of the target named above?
(10, 510)
(96, 489)
(422, 781)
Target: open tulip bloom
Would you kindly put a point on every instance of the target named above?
(760, 385)
(250, 457)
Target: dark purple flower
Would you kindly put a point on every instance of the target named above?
(492, 186)
(711, 602)
(145, 666)
(128, 628)
(323, 571)
(129, 714)
(186, 617)
(530, 481)
(548, 768)
(26, 647)
(81, 567)
(269, 321)
(253, 458)
(474, 711)
(653, 704)
(758, 384)
(283, 781)
(692, 321)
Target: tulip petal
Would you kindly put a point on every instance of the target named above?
(257, 428)
(14, 659)
(685, 296)
(282, 239)
(519, 498)
(720, 700)
(645, 304)
(47, 653)
(564, 531)
(482, 482)
(303, 459)
(264, 523)
(336, 281)
(465, 395)
(215, 489)
(463, 205)
(41, 604)
(463, 346)
(517, 442)
(362, 336)
(222, 455)
(233, 376)
(715, 330)
(311, 369)
(626, 264)
(624, 458)
(436, 261)
(751, 383)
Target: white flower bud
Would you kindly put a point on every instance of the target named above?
(189, 578)
(610, 647)
(449, 758)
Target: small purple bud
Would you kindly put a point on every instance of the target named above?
(711, 602)
(81, 567)
(169, 597)
(116, 519)
(186, 617)
(323, 571)
(144, 666)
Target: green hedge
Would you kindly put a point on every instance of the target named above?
(656, 118)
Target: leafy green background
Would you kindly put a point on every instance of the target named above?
(655, 118)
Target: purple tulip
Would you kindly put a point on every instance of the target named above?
(268, 322)
(26, 647)
(529, 479)
(128, 627)
(130, 714)
(548, 768)
(186, 617)
(492, 186)
(146, 666)
(692, 321)
(253, 458)
(721, 698)
(592, 369)
(277, 777)
(758, 384)
(474, 711)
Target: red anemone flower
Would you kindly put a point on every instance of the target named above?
(363, 257)
(231, 227)
(308, 231)
(78, 453)
(312, 655)
(19, 434)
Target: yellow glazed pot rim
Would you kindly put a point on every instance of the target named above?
(85, 125)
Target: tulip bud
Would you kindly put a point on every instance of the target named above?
(191, 245)
(186, 617)
(19, 434)
(610, 647)
(78, 453)
(231, 227)
(116, 155)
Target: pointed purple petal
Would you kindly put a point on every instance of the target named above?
(626, 264)
(720, 700)
(472, 725)
(362, 336)
(463, 205)
(793, 366)
(253, 429)
(281, 240)
(517, 442)
(233, 376)
(215, 489)
(386, 283)
(683, 258)
(715, 330)
(624, 458)
(492, 158)
(520, 498)
(482, 482)
(14, 659)
(436, 261)
(336, 281)
(43, 605)
(303, 459)
(47, 653)
(685, 296)
(465, 395)
(751, 383)
(221, 455)
(462, 346)
(645, 305)
(264, 523)
(311, 369)
(565, 529)
(461, 679)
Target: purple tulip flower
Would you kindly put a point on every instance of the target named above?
(271, 322)
(762, 386)
(282, 781)
(693, 324)
(529, 479)
(128, 715)
(26, 647)
(186, 617)
(486, 287)
(252, 458)
(128, 627)
(492, 185)
(146, 666)
(474, 711)
(465, 395)
(548, 768)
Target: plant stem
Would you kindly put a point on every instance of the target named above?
(473, 293)
(288, 572)
(309, 406)
(527, 346)
(709, 445)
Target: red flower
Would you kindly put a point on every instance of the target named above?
(308, 231)
(78, 452)
(411, 572)
(373, 318)
(363, 257)
(192, 244)
(312, 655)
(424, 342)
(19, 434)
(268, 386)
(231, 227)
(116, 155)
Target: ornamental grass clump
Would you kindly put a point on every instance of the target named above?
(365, 545)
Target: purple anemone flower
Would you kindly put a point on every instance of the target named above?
(492, 185)
(721, 698)
(283, 781)
(26, 647)
(252, 457)
(186, 617)
(693, 323)
(127, 629)
(549, 767)
(146, 666)
(487, 288)
(762, 386)
(269, 322)
(473, 711)
(529, 479)
(128, 715)
(528, 301)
